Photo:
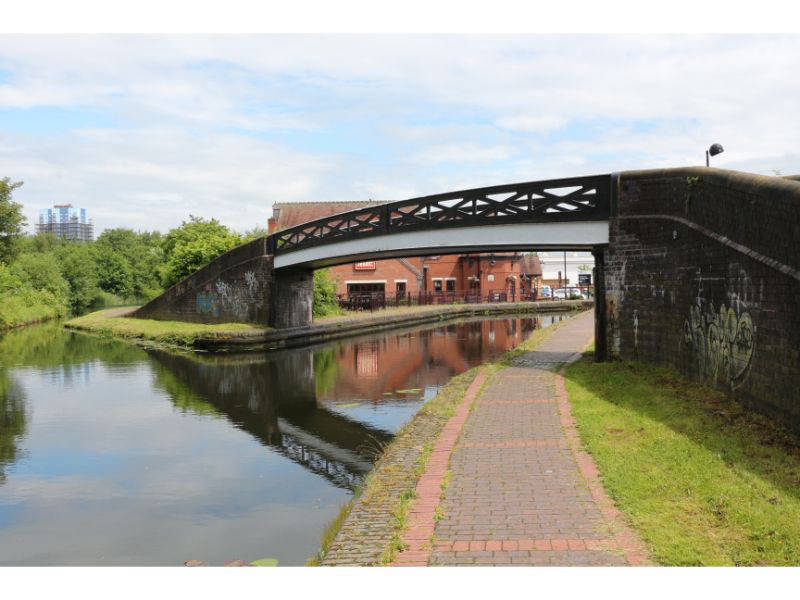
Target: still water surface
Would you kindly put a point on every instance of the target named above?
(115, 455)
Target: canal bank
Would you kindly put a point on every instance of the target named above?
(374, 529)
(241, 336)
(211, 457)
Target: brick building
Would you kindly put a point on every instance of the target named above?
(508, 275)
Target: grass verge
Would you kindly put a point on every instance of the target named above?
(702, 479)
(16, 311)
(168, 333)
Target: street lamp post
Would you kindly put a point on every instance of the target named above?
(713, 151)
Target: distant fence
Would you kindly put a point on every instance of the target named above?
(377, 300)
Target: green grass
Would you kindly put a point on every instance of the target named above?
(703, 480)
(16, 311)
(174, 333)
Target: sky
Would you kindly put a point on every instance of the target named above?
(144, 130)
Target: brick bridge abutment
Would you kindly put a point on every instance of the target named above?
(702, 273)
(240, 286)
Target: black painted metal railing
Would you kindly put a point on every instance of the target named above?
(554, 200)
(378, 300)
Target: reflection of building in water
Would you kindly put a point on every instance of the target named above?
(367, 359)
(418, 359)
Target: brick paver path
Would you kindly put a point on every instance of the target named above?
(522, 490)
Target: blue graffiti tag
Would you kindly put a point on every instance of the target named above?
(207, 303)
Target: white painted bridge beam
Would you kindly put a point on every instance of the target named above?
(581, 235)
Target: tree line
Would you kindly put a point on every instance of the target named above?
(44, 277)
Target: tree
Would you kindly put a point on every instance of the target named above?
(254, 233)
(141, 253)
(11, 221)
(114, 274)
(43, 272)
(196, 228)
(191, 256)
(41, 242)
(79, 268)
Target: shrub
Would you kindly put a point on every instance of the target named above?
(325, 301)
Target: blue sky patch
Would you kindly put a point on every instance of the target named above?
(44, 120)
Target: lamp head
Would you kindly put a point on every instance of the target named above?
(716, 149)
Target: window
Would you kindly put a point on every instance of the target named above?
(365, 288)
(451, 285)
(437, 286)
(400, 289)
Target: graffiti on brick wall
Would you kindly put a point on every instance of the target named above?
(233, 300)
(207, 303)
(722, 340)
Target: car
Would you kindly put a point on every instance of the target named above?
(571, 293)
(545, 291)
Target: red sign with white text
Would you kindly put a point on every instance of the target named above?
(365, 266)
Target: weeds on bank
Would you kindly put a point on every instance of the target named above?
(330, 532)
(704, 480)
(400, 513)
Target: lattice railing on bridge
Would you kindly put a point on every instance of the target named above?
(555, 200)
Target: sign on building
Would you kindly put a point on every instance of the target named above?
(584, 279)
(368, 265)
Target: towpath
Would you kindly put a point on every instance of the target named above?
(520, 487)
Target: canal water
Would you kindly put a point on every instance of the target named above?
(111, 454)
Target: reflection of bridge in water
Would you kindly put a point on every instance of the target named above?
(273, 398)
(284, 398)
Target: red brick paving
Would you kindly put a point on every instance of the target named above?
(421, 515)
(522, 489)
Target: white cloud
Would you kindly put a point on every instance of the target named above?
(532, 123)
(224, 125)
(153, 179)
(468, 152)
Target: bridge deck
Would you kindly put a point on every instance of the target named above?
(554, 214)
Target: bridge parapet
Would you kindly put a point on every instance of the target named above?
(235, 287)
(550, 201)
(703, 274)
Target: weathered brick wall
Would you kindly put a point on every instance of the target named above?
(703, 274)
(236, 287)
(292, 298)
